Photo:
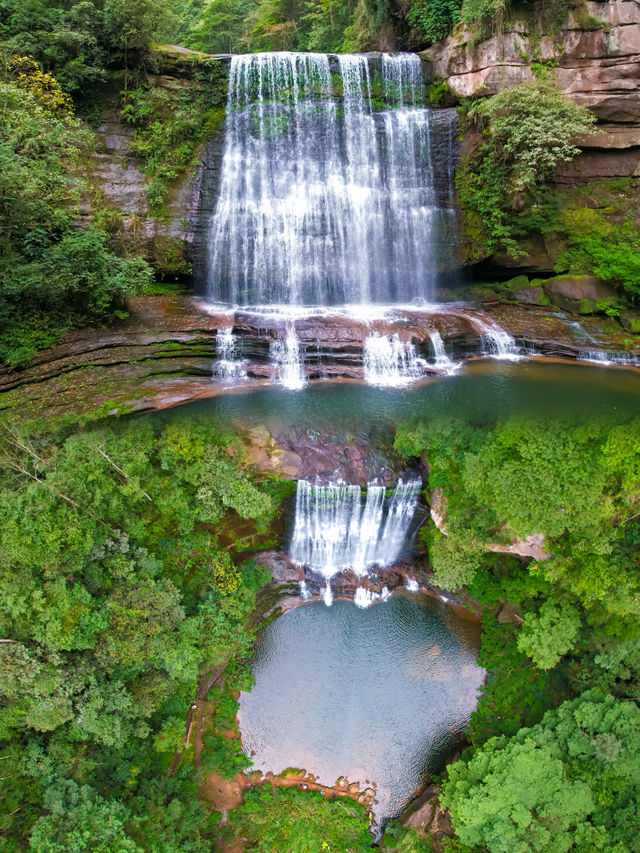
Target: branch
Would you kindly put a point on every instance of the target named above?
(120, 471)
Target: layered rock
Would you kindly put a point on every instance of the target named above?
(596, 59)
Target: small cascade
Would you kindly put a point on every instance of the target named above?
(412, 585)
(335, 530)
(442, 360)
(228, 367)
(327, 595)
(364, 597)
(496, 342)
(605, 359)
(304, 591)
(390, 362)
(286, 358)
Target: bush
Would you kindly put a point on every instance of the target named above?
(526, 134)
(53, 274)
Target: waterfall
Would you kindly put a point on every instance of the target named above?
(324, 197)
(228, 367)
(335, 530)
(442, 360)
(285, 356)
(496, 341)
(390, 362)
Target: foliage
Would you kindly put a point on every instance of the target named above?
(526, 134)
(116, 597)
(52, 273)
(133, 24)
(169, 127)
(569, 783)
(280, 818)
(574, 482)
(549, 634)
(66, 39)
(434, 19)
(610, 250)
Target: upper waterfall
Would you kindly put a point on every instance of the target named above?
(328, 191)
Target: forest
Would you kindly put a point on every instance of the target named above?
(130, 589)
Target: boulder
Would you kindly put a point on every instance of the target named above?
(531, 296)
(519, 282)
(630, 322)
(578, 294)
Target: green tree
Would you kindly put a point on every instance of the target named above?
(527, 131)
(569, 783)
(549, 634)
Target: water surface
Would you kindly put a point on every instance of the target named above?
(378, 695)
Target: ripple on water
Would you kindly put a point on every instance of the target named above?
(382, 694)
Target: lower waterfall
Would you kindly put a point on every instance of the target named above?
(335, 529)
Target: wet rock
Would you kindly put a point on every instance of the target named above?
(283, 571)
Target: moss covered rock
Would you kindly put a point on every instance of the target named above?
(579, 294)
(630, 321)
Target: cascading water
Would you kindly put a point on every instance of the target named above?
(390, 362)
(286, 358)
(334, 530)
(323, 200)
(442, 360)
(496, 341)
(228, 366)
(606, 359)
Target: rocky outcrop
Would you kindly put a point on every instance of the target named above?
(166, 352)
(429, 818)
(595, 56)
(579, 294)
(171, 241)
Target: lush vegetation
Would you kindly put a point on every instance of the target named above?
(169, 126)
(525, 132)
(557, 728)
(117, 597)
(53, 274)
(278, 818)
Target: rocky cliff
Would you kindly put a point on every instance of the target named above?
(594, 57)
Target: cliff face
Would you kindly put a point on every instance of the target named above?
(595, 60)
(599, 68)
(171, 239)
(594, 57)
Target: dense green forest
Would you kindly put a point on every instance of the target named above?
(119, 597)
(126, 592)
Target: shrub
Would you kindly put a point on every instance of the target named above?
(526, 134)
